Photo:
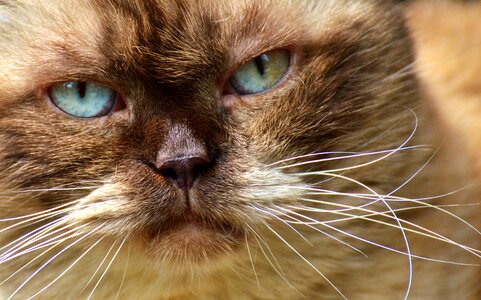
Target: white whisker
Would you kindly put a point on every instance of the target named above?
(124, 275)
(37, 218)
(52, 259)
(251, 260)
(346, 155)
(106, 269)
(306, 261)
(287, 224)
(275, 265)
(47, 212)
(99, 267)
(30, 233)
(366, 217)
(30, 262)
(398, 251)
(66, 270)
(14, 253)
(397, 220)
(390, 153)
(316, 229)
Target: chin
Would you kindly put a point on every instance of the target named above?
(192, 243)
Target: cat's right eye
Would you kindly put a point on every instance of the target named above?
(83, 99)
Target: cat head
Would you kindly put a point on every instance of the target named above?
(185, 127)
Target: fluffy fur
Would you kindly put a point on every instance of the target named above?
(342, 181)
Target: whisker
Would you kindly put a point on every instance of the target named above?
(54, 189)
(125, 273)
(99, 267)
(323, 192)
(41, 213)
(58, 188)
(52, 259)
(439, 208)
(344, 155)
(287, 224)
(390, 153)
(370, 213)
(30, 233)
(390, 199)
(14, 254)
(36, 218)
(429, 233)
(306, 261)
(67, 269)
(107, 268)
(30, 262)
(251, 260)
(317, 229)
(275, 265)
(393, 198)
(346, 208)
(397, 251)
(381, 199)
(30, 240)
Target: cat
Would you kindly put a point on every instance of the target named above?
(174, 149)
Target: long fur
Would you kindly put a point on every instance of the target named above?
(345, 180)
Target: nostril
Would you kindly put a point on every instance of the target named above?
(183, 171)
(169, 173)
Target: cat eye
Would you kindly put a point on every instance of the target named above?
(84, 99)
(261, 73)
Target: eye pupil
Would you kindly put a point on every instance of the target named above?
(260, 62)
(82, 88)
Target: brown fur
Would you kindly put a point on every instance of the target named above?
(348, 91)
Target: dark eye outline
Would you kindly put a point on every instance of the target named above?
(118, 105)
(228, 89)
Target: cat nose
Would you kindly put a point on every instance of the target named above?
(183, 171)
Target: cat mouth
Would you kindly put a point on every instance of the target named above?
(193, 226)
(195, 239)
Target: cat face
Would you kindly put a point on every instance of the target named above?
(187, 128)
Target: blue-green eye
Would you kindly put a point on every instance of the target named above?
(261, 73)
(83, 99)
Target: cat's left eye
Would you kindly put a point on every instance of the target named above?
(261, 73)
(84, 99)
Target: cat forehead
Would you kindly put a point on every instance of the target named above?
(177, 35)
(179, 20)
(196, 25)
(269, 20)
